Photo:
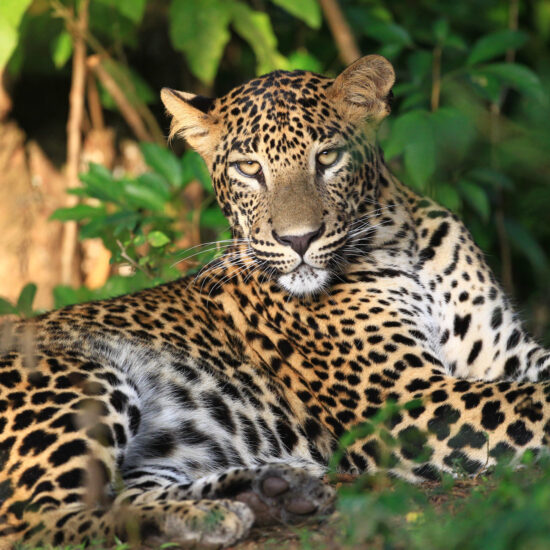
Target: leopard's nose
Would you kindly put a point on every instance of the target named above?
(300, 243)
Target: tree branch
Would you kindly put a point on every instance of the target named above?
(74, 138)
(129, 113)
(149, 122)
(436, 78)
(94, 104)
(341, 31)
(5, 100)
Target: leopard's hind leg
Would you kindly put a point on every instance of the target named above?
(189, 523)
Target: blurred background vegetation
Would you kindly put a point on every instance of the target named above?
(79, 83)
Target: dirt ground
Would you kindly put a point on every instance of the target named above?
(325, 536)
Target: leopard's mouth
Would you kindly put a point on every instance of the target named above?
(305, 280)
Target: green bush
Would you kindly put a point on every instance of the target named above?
(139, 220)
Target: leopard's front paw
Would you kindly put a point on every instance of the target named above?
(287, 494)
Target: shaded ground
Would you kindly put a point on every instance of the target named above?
(328, 535)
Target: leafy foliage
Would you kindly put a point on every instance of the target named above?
(11, 13)
(23, 305)
(504, 511)
(463, 122)
(139, 220)
(201, 31)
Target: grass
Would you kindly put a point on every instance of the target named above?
(504, 510)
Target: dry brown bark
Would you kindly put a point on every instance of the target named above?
(30, 190)
(5, 100)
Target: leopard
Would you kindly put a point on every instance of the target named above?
(193, 410)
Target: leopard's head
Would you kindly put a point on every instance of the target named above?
(292, 157)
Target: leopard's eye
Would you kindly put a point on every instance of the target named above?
(248, 168)
(328, 157)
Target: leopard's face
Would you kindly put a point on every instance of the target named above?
(288, 176)
(291, 159)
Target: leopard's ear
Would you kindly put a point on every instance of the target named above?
(191, 119)
(363, 90)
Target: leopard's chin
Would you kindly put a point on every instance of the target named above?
(305, 280)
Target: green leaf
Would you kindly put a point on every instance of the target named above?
(138, 240)
(100, 174)
(25, 300)
(6, 308)
(157, 239)
(415, 100)
(100, 183)
(420, 65)
(213, 218)
(420, 152)
(78, 212)
(447, 196)
(255, 28)
(163, 162)
(306, 10)
(200, 31)
(122, 220)
(441, 30)
(487, 86)
(157, 183)
(390, 51)
(495, 44)
(456, 42)
(519, 77)
(304, 61)
(388, 33)
(143, 197)
(93, 228)
(62, 48)
(194, 168)
(132, 9)
(66, 295)
(11, 13)
(113, 25)
(454, 133)
(115, 286)
(404, 89)
(527, 244)
(412, 135)
(491, 177)
(477, 198)
(77, 191)
(541, 18)
(401, 131)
